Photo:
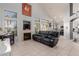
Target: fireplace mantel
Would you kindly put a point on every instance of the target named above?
(26, 31)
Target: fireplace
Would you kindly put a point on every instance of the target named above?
(27, 30)
(27, 36)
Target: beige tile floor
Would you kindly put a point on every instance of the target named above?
(33, 48)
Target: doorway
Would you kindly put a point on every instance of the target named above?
(10, 24)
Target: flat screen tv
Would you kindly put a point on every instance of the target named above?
(26, 25)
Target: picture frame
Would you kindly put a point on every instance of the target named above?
(26, 9)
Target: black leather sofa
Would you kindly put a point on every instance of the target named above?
(49, 38)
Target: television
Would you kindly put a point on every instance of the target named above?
(26, 25)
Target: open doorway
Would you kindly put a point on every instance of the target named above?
(10, 25)
(76, 30)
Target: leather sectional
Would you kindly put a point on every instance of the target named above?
(49, 38)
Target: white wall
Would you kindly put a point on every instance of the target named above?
(67, 28)
(37, 11)
(67, 24)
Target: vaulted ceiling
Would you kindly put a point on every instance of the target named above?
(56, 11)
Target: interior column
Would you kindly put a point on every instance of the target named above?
(71, 22)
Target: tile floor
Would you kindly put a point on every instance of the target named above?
(33, 48)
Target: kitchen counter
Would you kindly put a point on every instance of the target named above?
(5, 48)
